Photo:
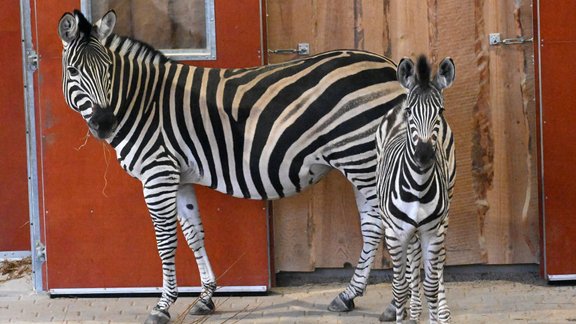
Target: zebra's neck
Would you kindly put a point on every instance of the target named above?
(139, 76)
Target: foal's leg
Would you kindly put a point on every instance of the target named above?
(443, 310)
(434, 259)
(194, 233)
(397, 243)
(414, 261)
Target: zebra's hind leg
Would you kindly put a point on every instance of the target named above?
(372, 231)
(192, 228)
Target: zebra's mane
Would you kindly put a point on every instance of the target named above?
(128, 46)
(423, 72)
(84, 26)
(121, 44)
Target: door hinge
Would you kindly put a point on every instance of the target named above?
(40, 252)
(496, 39)
(301, 49)
(32, 60)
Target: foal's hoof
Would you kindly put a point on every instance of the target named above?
(158, 316)
(341, 304)
(389, 314)
(202, 307)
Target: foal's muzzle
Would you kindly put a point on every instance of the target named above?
(425, 155)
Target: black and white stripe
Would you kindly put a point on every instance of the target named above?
(416, 173)
(260, 133)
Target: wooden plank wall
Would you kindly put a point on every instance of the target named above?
(494, 215)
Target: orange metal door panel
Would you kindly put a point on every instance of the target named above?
(14, 218)
(557, 49)
(97, 230)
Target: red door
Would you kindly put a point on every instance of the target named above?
(14, 219)
(556, 48)
(97, 230)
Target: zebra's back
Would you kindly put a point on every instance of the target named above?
(271, 131)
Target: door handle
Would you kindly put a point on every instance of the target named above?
(301, 49)
(495, 39)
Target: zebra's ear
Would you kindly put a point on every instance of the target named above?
(406, 73)
(68, 28)
(446, 74)
(105, 26)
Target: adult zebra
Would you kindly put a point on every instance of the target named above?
(415, 178)
(260, 133)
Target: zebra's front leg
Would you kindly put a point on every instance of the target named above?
(444, 314)
(414, 260)
(372, 232)
(434, 259)
(397, 243)
(413, 264)
(160, 196)
(191, 224)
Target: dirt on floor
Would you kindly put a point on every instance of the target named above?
(15, 269)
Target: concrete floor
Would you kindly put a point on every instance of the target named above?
(480, 301)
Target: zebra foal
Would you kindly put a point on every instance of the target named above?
(415, 179)
(259, 133)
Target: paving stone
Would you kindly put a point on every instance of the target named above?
(470, 302)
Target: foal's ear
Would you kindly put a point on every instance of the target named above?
(406, 73)
(68, 28)
(446, 74)
(105, 25)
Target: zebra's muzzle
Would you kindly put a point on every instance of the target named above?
(103, 123)
(424, 155)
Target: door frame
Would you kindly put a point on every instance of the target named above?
(29, 66)
(539, 135)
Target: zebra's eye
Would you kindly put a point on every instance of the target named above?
(408, 112)
(73, 71)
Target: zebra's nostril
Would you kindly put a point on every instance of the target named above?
(93, 125)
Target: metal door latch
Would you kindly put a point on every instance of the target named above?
(495, 39)
(32, 58)
(301, 49)
(40, 252)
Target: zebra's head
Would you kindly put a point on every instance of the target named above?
(424, 105)
(87, 70)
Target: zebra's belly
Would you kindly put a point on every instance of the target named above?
(308, 175)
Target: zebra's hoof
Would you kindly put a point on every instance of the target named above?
(389, 314)
(202, 307)
(158, 316)
(341, 304)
